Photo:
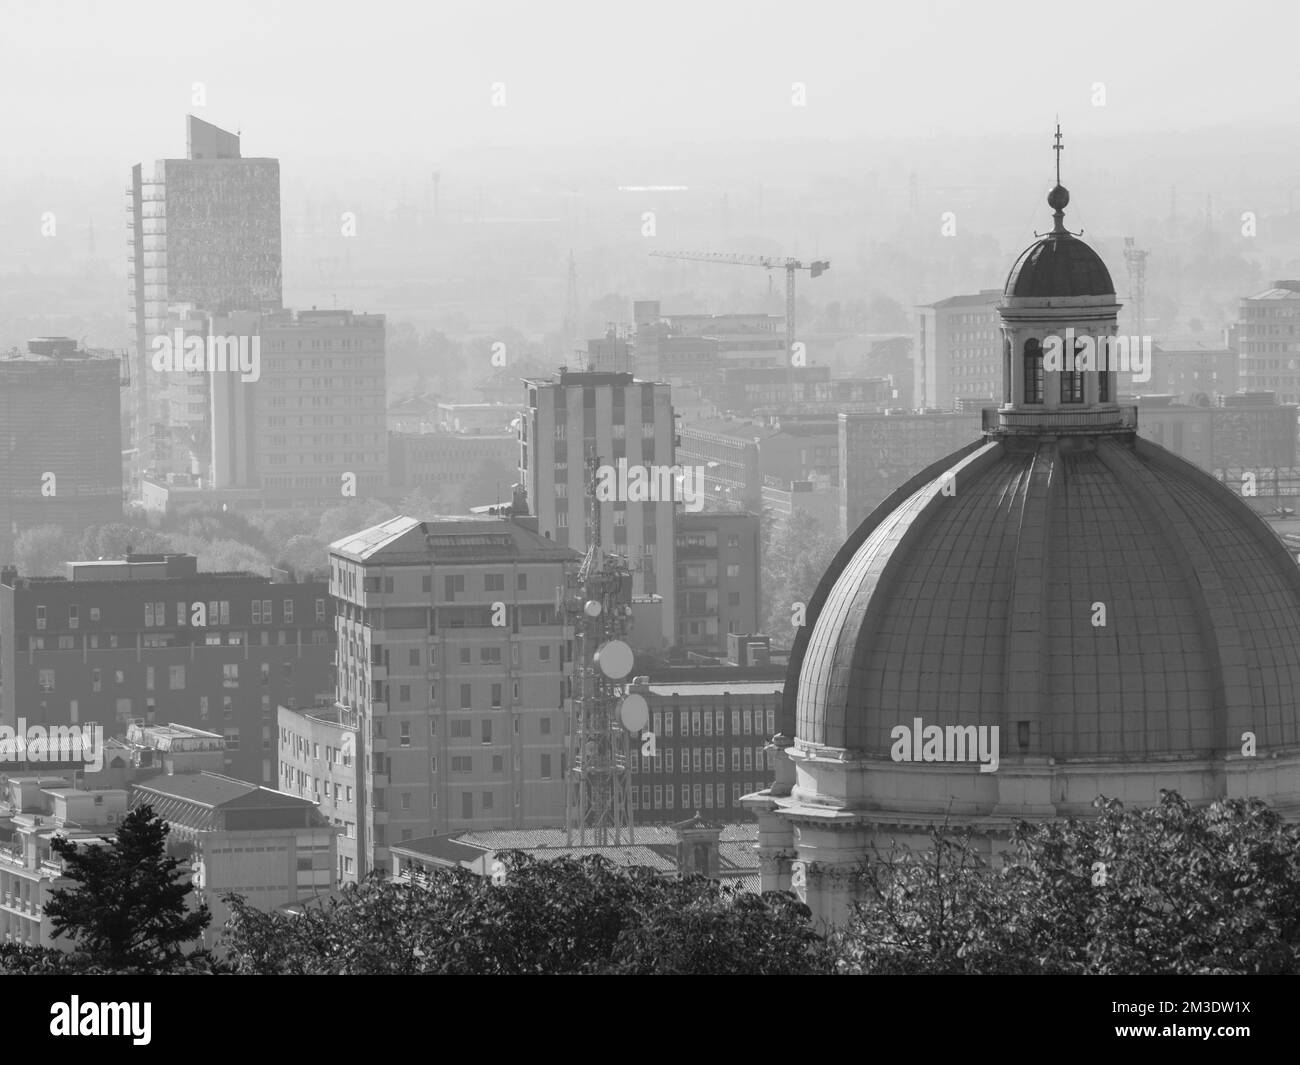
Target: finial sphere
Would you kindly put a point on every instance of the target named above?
(1058, 198)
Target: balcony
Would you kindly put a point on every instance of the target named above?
(1063, 422)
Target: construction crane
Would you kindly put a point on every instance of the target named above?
(769, 262)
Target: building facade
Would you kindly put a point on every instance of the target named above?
(958, 350)
(313, 425)
(321, 755)
(719, 572)
(456, 662)
(612, 418)
(710, 738)
(60, 439)
(203, 230)
(152, 639)
(1268, 345)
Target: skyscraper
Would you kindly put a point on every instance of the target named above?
(204, 230)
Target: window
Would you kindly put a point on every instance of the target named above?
(546, 725)
(95, 683)
(695, 758)
(462, 763)
(521, 581)
(40, 615)
(749, 759)
(148, 616)
(406, 800)
(544, 653)
(695, 796)
(735, 759)
(494, 582)
(771, 722)
(496, 696)
(695, 722)
(485, 731)
(320, 609)
(94, 611)
(465, 703)
(659, 796)
(47, 680)
(73, 617)
(257, 612)
(1072, 380)
(733, 569)
(491, 655)
(1033, 360)
(404, 693)
(466, 804)
(668, 761)
(413, 656)
(546, 767)
(686, 795)
(733, 542)
(498, 764)
(487, 800)
(708, 724)
(175, 677)
(460, 728)
(288, 608)
(406, 734)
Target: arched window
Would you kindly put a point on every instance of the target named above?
(1072, 380)
(1006, 369)
(1033, 371)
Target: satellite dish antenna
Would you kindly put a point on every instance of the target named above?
(634, 713)
(614, 659)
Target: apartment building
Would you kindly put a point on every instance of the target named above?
(958, 350)
(1268, 345)
(313, 425)
(60, 420)
(611, 417)
(149, 638)
(719, 573)
(456, 662)
(321, 758)
(33, 811)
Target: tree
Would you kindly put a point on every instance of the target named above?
(1168, 889)
(569, 915)
(796, 554)
(130, 909)
(42, 551)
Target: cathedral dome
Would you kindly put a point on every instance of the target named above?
(1100, 599)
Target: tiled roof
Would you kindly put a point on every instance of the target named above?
(958, 609)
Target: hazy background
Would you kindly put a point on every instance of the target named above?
(912, 110)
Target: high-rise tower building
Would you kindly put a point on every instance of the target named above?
(618, 420)
(203, 230)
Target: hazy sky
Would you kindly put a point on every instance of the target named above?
(110, 81)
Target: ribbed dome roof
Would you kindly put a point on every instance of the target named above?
(976, 608)
(1059, 265)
